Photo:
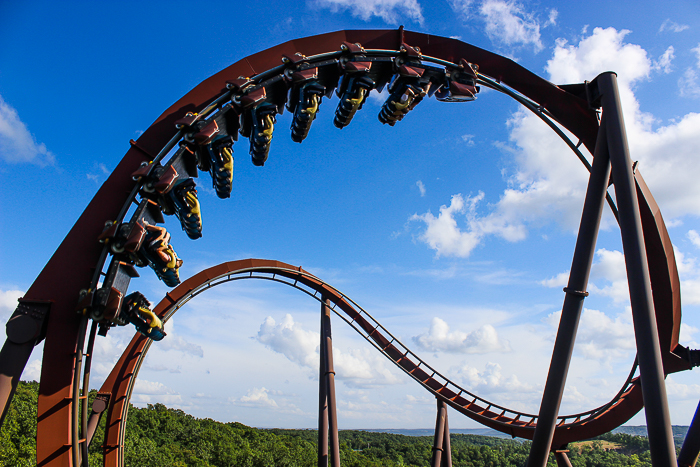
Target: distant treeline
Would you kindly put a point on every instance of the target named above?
(158, 436)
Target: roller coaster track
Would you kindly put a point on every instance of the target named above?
(247, 97)
(626, 403)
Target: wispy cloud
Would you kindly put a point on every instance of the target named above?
(174, 341)
(421, 187)
(552, 18)
(17, 145)
(507, 22)
(468, 140)
(689, 84)
(98, 172)
(672, 26)
(663, 64)
(391, 11)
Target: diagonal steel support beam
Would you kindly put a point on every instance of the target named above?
(691, 445)
(573, 303)
(562, 459)
(663, 453)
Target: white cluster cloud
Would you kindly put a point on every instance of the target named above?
(356, 367)
(442, 233)
(32, 372)
(8, 303)
(440, 338)
(686, 336)
(611, 268)
(689, 273)
(506, 22)
(258, 397)
(17, 145)
(680, 391)
(289, 339)
(600, 337)
(150, 392)
(389, 10)
(549, 183)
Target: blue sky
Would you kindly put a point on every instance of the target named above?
(455, 228)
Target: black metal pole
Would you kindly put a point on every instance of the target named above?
(691, 444)
(646, 334)
(334, 447)
(573, 304)
(322, 399)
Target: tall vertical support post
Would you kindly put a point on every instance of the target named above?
(573, 303)
(446, 446)
(691, 444)
(658, 419)
(439, 439)
(329, 378)
(322, 399)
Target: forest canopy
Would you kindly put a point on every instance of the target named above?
(159, 436)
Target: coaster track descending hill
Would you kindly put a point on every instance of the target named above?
(88, 277)
(575, 427)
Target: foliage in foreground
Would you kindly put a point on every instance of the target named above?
(158, 436)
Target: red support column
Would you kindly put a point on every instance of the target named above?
(439, 439)
(330, 381)
(661, 446)
(322, 399)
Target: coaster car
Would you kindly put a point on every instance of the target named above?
(353, 89)
(157, 252)
(136, 310)
(220, 154)
(183, 197)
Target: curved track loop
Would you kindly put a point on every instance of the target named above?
(517, 424)
(58, 393)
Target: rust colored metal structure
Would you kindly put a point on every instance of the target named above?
(347, 60)
(442, 451)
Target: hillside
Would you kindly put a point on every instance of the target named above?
(159, 436)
